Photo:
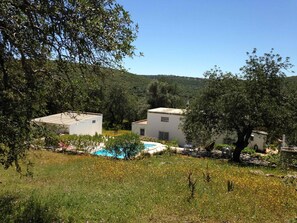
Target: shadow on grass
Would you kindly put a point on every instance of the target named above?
(12, 209)
(7, 204)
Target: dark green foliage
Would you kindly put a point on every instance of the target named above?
(137, 84)
(241, 104)
(162, 94)
(51, 140)
(273, 159)
(118, 106)
(6, 207)
(35, 211)
(291, 113)
(248, 150)
(187, 86)
(32, 210)
(43, 45)
(128, 144)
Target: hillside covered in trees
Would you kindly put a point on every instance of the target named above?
(137, 84)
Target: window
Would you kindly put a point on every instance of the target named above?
(142, 131)
(164, 136)
(94, 121)
(164, 119)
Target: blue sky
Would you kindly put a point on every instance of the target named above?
(187, 38)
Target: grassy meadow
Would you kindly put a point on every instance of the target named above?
(84, 188)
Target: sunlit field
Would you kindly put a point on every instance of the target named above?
(81, 188)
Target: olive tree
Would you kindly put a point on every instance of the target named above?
(41, 45)
(240, 103)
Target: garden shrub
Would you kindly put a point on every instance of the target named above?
(127, 144)
(248, 150)
(81, 142)
(272, 158)
(51, 141)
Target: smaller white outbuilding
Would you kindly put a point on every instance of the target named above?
(73, 123)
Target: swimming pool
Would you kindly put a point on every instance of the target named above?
(149, 145)
(104, 152)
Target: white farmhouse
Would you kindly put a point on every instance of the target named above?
(163, 124)
(73, 123)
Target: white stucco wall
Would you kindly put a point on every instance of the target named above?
(259, 140)
(136, 126)
(154, 126)
(87, 127)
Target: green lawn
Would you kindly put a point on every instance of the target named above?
(69, 188)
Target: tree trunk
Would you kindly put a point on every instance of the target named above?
(236, 154)
(242, 142)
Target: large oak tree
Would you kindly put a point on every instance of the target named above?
(42, 43)
(241, 103)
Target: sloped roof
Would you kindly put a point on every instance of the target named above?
(66, 118)
(141, 122)
(171, 111)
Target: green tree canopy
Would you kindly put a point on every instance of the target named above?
(41, 45)
(240, 104)
(162, 94)
(290, 122)
(117, 106)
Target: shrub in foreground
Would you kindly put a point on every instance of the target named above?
(127, 144)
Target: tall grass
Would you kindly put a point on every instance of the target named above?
(96, 189)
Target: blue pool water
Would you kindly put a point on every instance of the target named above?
(149, 145)
(104, 152)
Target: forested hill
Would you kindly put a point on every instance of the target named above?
(292, 79)
(187, 86)
(137, 84)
